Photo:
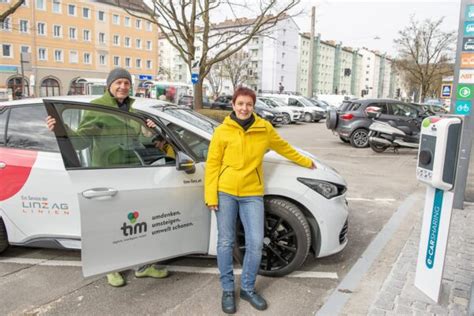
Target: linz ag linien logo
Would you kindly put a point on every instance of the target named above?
(136, 228)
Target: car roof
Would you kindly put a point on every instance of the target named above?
(140, 103)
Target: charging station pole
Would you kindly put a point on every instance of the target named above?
(463, 96)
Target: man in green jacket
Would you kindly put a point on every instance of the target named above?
(92, 129)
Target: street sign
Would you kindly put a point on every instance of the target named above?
(467, 60)
(145, 77)
(446, 90)
(468, 44)
(469, 15)
(194, 78)
(469, 28)
(466, 76)
(463, 107)
(464, 91)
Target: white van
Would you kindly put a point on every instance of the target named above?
(335, 100)
(312, 113)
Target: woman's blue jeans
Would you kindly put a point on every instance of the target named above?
(251, 213)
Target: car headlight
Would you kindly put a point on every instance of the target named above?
(326, 189)
(266, 113)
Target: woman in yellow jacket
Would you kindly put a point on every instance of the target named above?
(234, 186)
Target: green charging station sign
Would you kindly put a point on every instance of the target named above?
(465, 91)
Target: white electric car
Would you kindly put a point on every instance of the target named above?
(55, 193)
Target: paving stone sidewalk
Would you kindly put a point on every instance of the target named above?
(399, 296)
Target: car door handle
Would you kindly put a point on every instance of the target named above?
(100, 193)
(2, 165)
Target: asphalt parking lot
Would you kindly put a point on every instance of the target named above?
(40, 281)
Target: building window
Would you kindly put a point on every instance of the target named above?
(127, 41)
(127, 21)
(73, 57)
(7, 50)
(24, 4)
(102, 38)
(57, 6)
(57, 31)
(87, 58)
(116, 19)
(149, 26)
(25, 49)
(41, 28)
(40, 5)
(138, 63)
(86, 13)
(138, 23)
(42, 54)
(86, 34)
(127, 62)
(148, 45)
(71, 9)
(49, 87)
(24, 26)
(138, 43)
(72, 33)
(116, 61)
(101, 16)
(116, 40)
(149, 64)
(102, 60)
(6, 25)
(58, 55)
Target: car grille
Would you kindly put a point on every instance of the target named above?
(343, 233)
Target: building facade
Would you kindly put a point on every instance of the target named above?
(68, 44)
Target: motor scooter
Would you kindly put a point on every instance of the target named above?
(384, 135)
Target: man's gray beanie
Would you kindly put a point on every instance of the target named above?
(118, 73)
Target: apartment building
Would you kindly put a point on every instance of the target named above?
(379, 79)
(68, 44)
(172, 67)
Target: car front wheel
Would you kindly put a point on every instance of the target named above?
(286, 118)
(3, 237)
(360, 138)
(308, 117)
(287, 238)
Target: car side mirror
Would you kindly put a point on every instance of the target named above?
(185, 163)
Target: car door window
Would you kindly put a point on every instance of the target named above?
(195, 143)
(400, 109)
(111, 139)
(293, 102)
(27, 129)
(382, 106)
(3, 125)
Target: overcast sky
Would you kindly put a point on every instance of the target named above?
(360, 23)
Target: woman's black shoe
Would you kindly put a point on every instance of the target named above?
(254, 299)
(228, 302)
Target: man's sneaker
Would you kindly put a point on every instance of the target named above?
(152, 272)
(228, 302)
(115, 279)
(254, 299)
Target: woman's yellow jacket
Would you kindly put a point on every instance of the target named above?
(235, 156)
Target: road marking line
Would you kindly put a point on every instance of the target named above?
(371, 200)
(199, 270)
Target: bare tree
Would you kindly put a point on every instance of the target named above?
(424, 52)
(186, 24)
(216, 78)
(236, 68)
(10, 10)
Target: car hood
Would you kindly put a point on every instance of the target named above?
(322, 171)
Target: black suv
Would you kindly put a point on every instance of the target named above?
(224, 102)
(351, 123)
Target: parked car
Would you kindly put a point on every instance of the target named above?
(223, 102)
(291, 114)
(188, 101)
(53, 196)
(311, 112)
(351, 122)
(269, 113)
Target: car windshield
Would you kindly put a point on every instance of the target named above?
(194, 118)
(261, 104)
(306, 102)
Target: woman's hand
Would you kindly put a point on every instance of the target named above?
(213, 208)
(313, 165)
(150, 123)
(50, 122)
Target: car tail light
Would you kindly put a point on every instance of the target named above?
(347, 117)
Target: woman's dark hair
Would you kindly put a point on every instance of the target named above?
(244, 91)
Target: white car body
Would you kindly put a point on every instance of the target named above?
(295, 114)
(41, 204)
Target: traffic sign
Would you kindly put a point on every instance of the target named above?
(463, 107)
(446, 90)
(194, 78)
(469, 13)
(465, 91)
(145, 77)
(466, 76)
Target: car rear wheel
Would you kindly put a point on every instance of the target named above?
(360, 138)
(308, 117)
(286, 118)
(287, 238)
(3, 237)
